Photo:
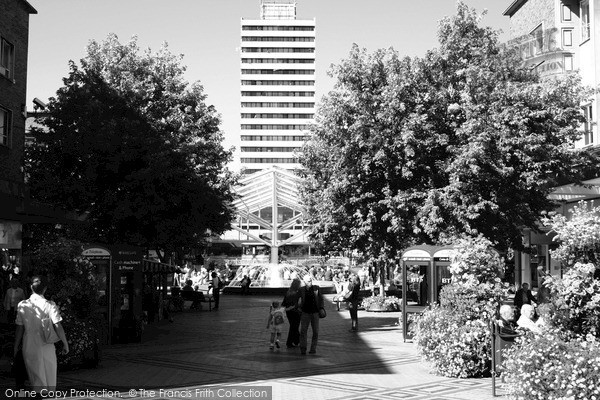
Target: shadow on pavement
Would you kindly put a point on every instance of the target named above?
(231, 346)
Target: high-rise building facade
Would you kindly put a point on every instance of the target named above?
(277, 86)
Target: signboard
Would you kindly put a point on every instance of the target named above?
(127, 259)
(416, 255)
(92, 252)
(542, 51)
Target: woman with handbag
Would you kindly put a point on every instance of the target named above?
(38, 328)
(353, 299)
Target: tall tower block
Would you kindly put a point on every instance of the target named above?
(277, 86)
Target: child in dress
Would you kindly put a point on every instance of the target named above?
(275, 323)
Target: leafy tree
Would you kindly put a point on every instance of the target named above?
(463, 141)
(133, 146)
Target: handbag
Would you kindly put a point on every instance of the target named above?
(322, 313)
(49, 333)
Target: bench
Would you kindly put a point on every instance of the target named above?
(338, 299)
(500, 342)
(195, 297)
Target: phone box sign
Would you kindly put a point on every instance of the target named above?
(127, 259)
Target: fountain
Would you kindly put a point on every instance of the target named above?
(270, 278)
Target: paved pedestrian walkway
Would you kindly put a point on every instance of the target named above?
(201, 351)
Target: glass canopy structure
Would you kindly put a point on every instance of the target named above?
(268, 210)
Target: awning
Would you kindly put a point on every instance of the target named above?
(588, 190)
(150, 266)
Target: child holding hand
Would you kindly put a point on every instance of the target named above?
(275, 323)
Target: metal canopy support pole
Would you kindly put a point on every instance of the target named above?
(493, 330)
(404, 295)
(274, 231)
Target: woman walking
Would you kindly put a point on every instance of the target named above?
(39, 356)
(290, 302)
(353, 299)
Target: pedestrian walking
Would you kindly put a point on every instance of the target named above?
(39, 356)
(217, 285)
(310, 301)
(245, 285)
(353, 299)
(14, 295)
(290, 302)
(275, 323)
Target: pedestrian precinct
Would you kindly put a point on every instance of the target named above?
(310, 302)
(275, 323)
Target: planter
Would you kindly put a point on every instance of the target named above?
(380, 308)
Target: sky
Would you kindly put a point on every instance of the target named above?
(207, 33)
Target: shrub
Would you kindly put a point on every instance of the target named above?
(73, 285)
(83, 342)
(453, 346)
(455, 338)
(564, 363)
(391, 303)
(575, 301)
(475, 262)
(578, 236)
(473, 302)
(548, 367)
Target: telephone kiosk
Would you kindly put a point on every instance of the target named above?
(126, 294)
(119, 270)
(425, 270)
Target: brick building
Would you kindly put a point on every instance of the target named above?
(14, 37)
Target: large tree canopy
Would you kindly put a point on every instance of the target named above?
(130, 143)
(464, 140)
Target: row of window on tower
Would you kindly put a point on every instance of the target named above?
(278, 71)
(284, 127)
(269, 149)
(277, 116)
(268, 104)
(270, 160)
(278, 83)
(278, 49)
(278, 60)
(280, 93)
(276, 28)
(277, 39)
(274, 138)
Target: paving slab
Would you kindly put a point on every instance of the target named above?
(202, 353)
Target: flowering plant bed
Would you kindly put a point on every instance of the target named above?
(381, 303)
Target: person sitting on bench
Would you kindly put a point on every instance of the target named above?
(188, 293)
